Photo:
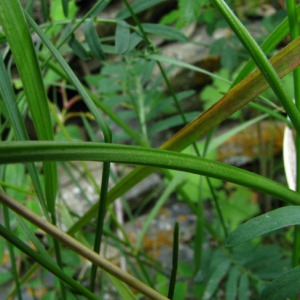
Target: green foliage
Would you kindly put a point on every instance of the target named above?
(238, 250)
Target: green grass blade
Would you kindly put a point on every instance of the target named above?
(16, 120)
(268, 45)
(72, 77)
(273, 220)
(261, 61)
(16, 30)
(15, 152)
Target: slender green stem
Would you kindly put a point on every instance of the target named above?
(294, 33)
(100, 219)
(174, 261)
(75, 246)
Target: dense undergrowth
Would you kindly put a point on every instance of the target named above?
(245, 236)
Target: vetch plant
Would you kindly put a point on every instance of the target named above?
(235, 263)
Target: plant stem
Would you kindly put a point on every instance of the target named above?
(294, 33)
(78, 247)
(261, 60)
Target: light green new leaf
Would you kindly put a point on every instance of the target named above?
(93, 41)
(167, 32)
(276, 219)
(283, 287)
(16, 30)
(122, 37)
(137, 6)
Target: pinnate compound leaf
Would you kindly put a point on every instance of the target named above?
(215, 278)
(243, 287)
(189, 10)
(231, 285)
(122, 37)
(276, 219)
(137, 6)
(283, 287)
(165, 31)
(78, 49)
(93, 40)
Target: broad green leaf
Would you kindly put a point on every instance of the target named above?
(93, 40)
(122, 37)
(13, 22)
(273, 220)
(167, 32)
(232, 283)
(215, 278)
(283, 287)
(78, 49)
(137, 7)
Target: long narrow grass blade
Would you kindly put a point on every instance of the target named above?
(268, 45)
(14, 152)
(16, 30)
(16, 120)
(81, 90)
